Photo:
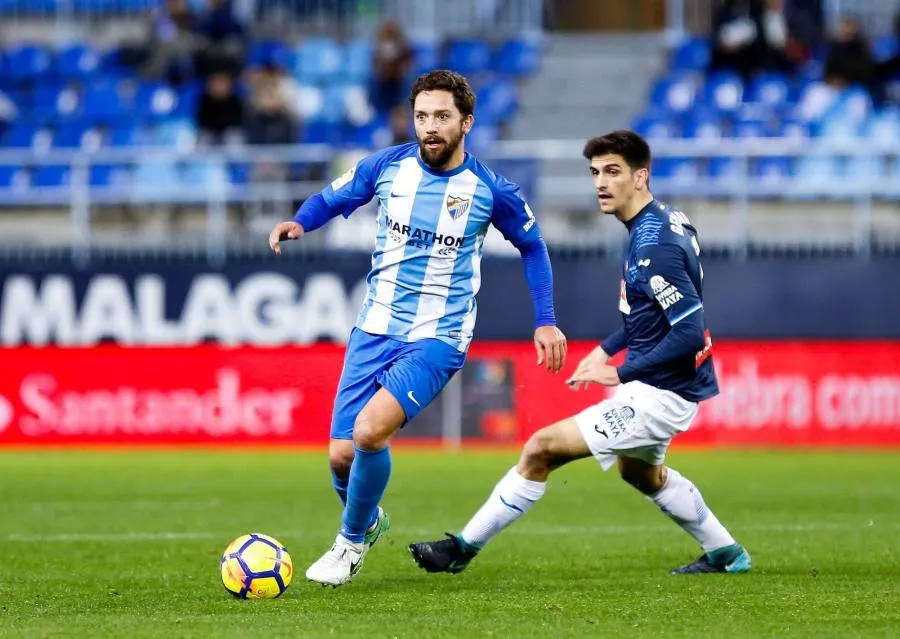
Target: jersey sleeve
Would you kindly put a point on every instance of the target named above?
(663, 277)
(512, 216)
(354, 187)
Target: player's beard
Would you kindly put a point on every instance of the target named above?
(438, 158)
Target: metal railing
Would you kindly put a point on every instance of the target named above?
(864, 178)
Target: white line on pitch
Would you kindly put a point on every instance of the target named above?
(522, 530)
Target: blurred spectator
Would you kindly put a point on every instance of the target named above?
(168, 51)
(734, 33)
(392, 57)
(223, 40)
(849, 59)
(399, 125)
(220, 111)
(269, 121)
(751, 35)
(271, 75)
(888, 71)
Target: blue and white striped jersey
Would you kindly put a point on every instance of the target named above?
(426, 267)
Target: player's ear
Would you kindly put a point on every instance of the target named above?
(467, 123)
(641, 177)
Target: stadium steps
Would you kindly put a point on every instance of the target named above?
(586, 85)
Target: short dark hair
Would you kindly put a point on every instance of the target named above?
(445, 80)
(632, 147)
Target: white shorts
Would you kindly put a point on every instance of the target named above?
(637, 421)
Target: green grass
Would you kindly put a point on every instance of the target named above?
(126, 544)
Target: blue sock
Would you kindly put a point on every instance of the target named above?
(369, 476)
(340, 487)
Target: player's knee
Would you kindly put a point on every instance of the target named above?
(646, 479)
(369, 435)
(539, 451)
(340, 458)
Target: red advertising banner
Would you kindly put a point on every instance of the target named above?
(773, 394)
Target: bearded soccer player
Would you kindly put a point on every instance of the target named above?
(436, 202)
(668, 371)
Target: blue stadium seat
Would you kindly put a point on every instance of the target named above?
(837, 128)
(110, 175)
(883, 128)
(14, 178)
(124, 135)
(675, 93)
(481, 137)
(793, 128)
(155, 180)
(51, 102)
(426, 56)
(52, 176)
(656, 127)
(749, 128)
(270, 52)
(77, 135)
(468, 56)
(725, 169)
(498, 101)
(676, 167)
(317, 60)
(25, 135)
(157, 101)
(28, 62)
(177, 133)
(691, 55)
(77, 61)
(103, 104)
(358, 60)
(518, 58)
(885, 47)
(322, 132)
(773, 169)
(702, 126)
(724, 92)
(771, 89)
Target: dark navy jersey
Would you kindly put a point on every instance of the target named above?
(662, 286)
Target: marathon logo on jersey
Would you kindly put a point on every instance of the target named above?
(457, 206)
(665, 293)
(422, 238)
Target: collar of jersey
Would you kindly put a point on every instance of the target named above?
(630, 223)
(462, 167)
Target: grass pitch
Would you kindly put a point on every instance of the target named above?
(126, 544)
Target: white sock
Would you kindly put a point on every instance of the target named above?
(513, 496)
(683, 503)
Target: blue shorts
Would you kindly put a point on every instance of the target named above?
(413, 372)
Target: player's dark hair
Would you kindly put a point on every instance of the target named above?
(628, 144)
(445, 80)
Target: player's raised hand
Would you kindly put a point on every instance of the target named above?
(284, 231)
(551, 347)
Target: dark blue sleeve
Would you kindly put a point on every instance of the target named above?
(615, 342)
(684, 340)
(539, 274)
(355, 187)
(314, 213)
(664, 277)
(511, 214)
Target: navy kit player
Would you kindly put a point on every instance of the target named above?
(667, 372)
(436, 203)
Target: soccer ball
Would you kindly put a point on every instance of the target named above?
(256, 566)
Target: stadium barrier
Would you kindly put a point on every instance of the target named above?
(854, 207)
(780, 394)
